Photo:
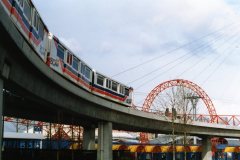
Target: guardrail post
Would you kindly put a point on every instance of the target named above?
(89, 138)
(206, 148)
(104, 151)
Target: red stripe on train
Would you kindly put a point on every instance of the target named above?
(19, 19)
(108, 94)
(7, 5)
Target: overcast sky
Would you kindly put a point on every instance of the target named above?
(114, 35)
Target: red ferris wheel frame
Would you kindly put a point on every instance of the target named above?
(185, 83)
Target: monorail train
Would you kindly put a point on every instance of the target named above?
(57, 56)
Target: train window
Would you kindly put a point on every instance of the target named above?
(12, 143)
(114, 86)
(30, 144)
(82, 68)
(69, 58)
(36, 20)
(75, 63)
(100, 80)
(164, 157)
(193, 157)
(178, 156)
(22, 144)
(20, 3)
(41, 30)
(60, 52)
(109, 84)
(121, 89)
(27, 10)
(87, 72)
(126, 91)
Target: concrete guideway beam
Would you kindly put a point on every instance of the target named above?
(206, 148)
(104, 151)
(89, 138)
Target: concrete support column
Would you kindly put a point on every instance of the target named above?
(89, 138)
(206, 148)
(104, 151)
(1, 116)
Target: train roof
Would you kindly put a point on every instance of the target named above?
(17, 135)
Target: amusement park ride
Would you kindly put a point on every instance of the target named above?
(183, 113)
(70, 132)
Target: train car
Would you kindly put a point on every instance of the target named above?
(26, 18)
(62, 60)
(111, 89)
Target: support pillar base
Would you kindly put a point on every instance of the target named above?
(104, 151)
(89, 138)
(206, 148)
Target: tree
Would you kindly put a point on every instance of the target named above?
(177, 103)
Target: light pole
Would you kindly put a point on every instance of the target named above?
(194, 101)
(185, 126)
(174, 114)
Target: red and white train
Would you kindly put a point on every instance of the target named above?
(57, 56)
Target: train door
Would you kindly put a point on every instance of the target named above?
(39, 35)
